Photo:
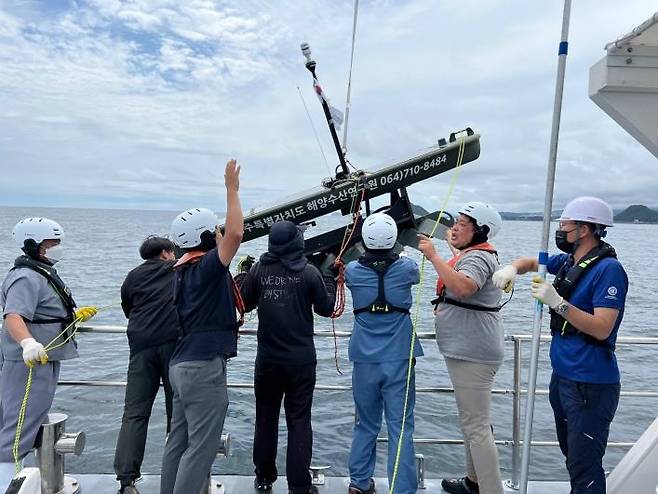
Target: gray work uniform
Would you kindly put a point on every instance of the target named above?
(28, 294)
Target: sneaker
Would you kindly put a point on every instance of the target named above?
(460, 486)
(370, 490)
(128, 489)
(262, 485)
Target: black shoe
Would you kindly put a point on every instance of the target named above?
(370, 490)
(262, 485)
(460, 486)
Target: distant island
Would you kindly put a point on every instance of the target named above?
(632, 214)
(637, 214)
(506, 215)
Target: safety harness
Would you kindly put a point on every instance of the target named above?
(441, 287)
(57, 284)
(380, 266)
(566, 279)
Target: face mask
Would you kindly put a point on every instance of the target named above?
(562, 243)
(55, 253)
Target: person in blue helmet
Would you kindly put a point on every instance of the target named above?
(38, 326)
(380, 282)
(586, 300)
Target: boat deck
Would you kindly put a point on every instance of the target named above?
(236, 484)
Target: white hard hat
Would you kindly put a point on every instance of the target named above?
(379, 231)
(37, 229)
(588, 210)
(484, 215)
(187, 227)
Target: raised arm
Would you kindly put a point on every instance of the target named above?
(234, 227)
(458, 283)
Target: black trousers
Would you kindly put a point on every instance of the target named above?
(294, 384)
(145, 370)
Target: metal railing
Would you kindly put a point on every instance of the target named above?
(517, 391)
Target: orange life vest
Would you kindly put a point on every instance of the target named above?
(485, 246)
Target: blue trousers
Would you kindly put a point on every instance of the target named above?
(381, 387)
(583, 413)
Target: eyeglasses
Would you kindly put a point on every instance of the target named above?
(564, 224)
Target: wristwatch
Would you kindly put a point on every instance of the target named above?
(562, 308)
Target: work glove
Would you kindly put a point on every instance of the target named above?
(504, 278)
(33, 352)
(245, 263)
(543, 291)
(83, 314)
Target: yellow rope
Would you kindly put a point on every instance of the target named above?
(28, 387)
(19, 425)
(460, 158)
(28, 384)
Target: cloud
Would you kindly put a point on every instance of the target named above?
(141, 102)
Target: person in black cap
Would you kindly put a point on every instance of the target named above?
(286, 289)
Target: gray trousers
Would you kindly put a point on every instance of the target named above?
(12, 389)
(199, 408)
(473, 383)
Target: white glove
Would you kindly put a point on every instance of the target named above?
(33, 352)
(504, 278)
(545, 292)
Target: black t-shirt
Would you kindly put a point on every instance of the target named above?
(147, 302)
(286, 300)
(206, 311)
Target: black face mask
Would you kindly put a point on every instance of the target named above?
(562, 243)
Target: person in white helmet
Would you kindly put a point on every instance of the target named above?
(380, 282)
(205, 300)
(37, 333)
(586, 302)
(469, 333)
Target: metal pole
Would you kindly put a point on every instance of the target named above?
(310, 65)
(543, 252)
(516, 416)
(349, 81)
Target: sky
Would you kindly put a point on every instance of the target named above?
(138, 104)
